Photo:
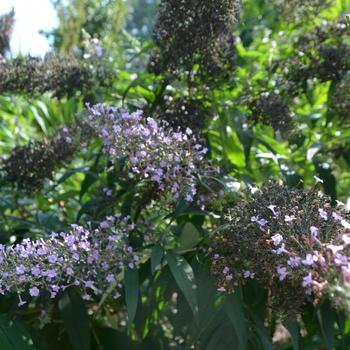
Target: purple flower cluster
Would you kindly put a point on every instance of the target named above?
(172, 160)
(292, 242)
(92, 260)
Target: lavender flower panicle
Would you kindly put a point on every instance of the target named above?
(171, 159)
(301, 251)
(90, 259)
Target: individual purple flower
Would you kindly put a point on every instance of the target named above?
(254, 218)
(52, 259)
(310, 259)
(282, 272)
(277, 239)
(51, 273)
(289, 218)
(36, 271)
(248, 274)
(228, 277)
(89, 284)
(313, 233)
(280, 250)
(275, 212)
(226, 270)
(323, 214)
(341, 259)
(20, 270)
(262, 222)
(307, 280)
(345, 224)
(34, 292)
(337, 217)
(110, 278)
(294, 261)
(104, 224)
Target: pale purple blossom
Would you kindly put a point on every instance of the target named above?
(307, 280)
(313, 233)
(323, 214)
(248, 274)
(277, 239)
(337, 217)
(310, 259)
(226, 270)
(280, 250)
(34, 291)
(341, 259)
(294, 261)
(289, 218)
(275, 212)
(282, 272)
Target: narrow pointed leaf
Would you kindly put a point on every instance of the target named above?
(131, 293)
(184, 277)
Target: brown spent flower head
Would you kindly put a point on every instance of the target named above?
(194, 32)
(61, 75)
(323, 53)
(270, 109)
(339, 98)
(184, 112)
(290, 241)
(7, 22)
(29, 166)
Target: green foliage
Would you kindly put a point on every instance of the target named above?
(266, 99)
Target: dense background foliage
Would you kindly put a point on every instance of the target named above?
(266, 92)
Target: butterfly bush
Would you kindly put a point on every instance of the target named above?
(91, 259)
(171, 159)
(292, 242)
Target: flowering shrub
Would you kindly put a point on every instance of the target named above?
(291, 241)
(153, 261)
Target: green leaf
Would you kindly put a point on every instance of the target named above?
(13, 335)
(131, 293)
(326, 318)
(293, 328)
(156, 257)
(75, 318)
(111, 339)
(189, 238)
(264, 337)
(70, 173)
(235, 312)
(184, 277)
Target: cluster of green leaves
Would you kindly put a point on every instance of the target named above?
(171, 301)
